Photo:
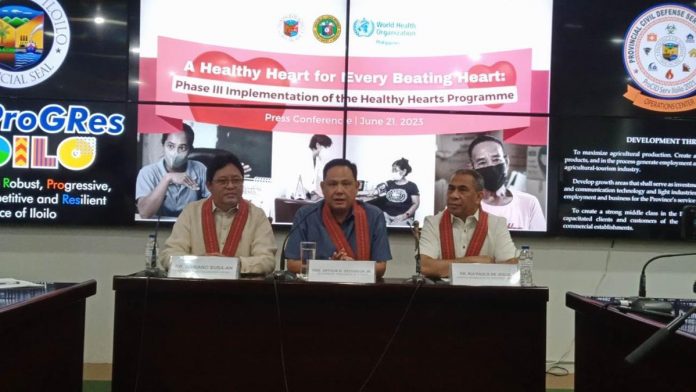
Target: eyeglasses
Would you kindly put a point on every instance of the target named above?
(236, 181)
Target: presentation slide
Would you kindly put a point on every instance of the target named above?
(636, 182)
(276, 80)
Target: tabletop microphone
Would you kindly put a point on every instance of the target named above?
(662, 311)
(415, 230)
(657, 338)
(153, 269)
(418, 277)
(283, 273)
(641, 283)
(688, 232)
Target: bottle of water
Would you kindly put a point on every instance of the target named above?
(151, 253)
(526, 263)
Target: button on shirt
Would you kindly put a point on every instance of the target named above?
(463, 231)
(498, 243)
(223, 222)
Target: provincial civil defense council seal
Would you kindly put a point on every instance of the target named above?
(34, 41)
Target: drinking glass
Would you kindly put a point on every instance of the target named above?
(308, 251)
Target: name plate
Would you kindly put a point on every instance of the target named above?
(341, 271)
(475, 274)
(204, 267)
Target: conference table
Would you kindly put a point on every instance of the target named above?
(604, 336)
(42, 332)
(265, 335)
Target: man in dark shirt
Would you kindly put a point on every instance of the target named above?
(343, 228)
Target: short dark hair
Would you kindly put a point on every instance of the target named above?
(484, 138)
(220, 161)
(341, 162)
(478, 178)
(190, 136)
(322, 140)
(402, 164)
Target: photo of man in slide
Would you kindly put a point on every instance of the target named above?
(165, 187)
(522, 210)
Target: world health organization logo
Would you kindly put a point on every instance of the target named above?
(34, 41)
(363, 27)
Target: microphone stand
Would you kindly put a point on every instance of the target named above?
(282, 274)
(657, 338)
(418, 277)
(641, 283)
(647, 304)
(153, 269)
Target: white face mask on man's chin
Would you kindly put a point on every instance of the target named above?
(176, 161)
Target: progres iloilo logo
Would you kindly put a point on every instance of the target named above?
(34, 41)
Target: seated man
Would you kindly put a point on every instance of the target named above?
(224, 224)
(343, 228)
(463, 232)
(163, 188)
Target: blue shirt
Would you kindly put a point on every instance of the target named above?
(309, 226)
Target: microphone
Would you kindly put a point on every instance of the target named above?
(153, 269)
(282, 273)
(641, 283)
(654, 309)
(657, 338)
(418, 277)
(415, 230)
